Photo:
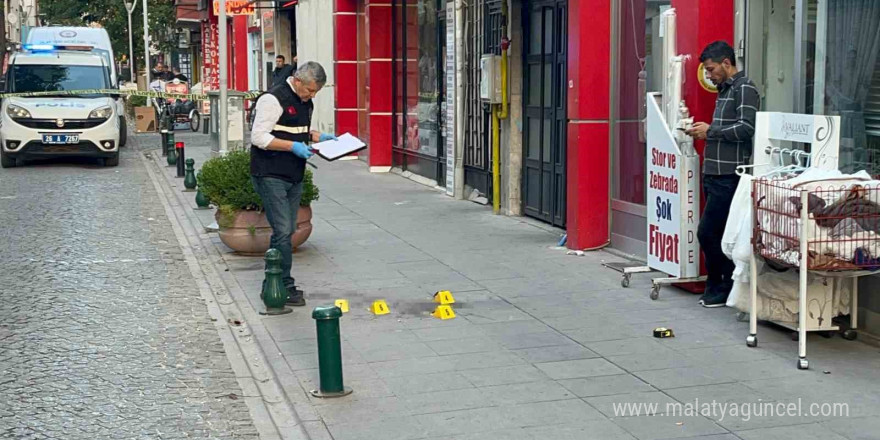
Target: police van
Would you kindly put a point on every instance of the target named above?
(58, 125)
(97, 38)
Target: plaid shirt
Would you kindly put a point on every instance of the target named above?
(729, 140)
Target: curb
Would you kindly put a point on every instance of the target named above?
(271, 406)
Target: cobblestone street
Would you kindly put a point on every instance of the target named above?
(103, 333)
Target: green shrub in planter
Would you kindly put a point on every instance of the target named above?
(226, 182)
(137, 101)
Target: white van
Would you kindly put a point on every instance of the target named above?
(61, 125)
(97, 38)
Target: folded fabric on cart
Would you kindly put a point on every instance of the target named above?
(844, 219)
(778, 296)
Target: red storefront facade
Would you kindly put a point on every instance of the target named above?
(598, 150)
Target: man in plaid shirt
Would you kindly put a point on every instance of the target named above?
(728, 144)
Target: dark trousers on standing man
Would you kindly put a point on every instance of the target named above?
(719, 192)
(281, 202)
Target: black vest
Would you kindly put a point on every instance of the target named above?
(293, 125)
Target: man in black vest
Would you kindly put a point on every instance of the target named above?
(279, 152)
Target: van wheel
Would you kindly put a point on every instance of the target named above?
(123, 132)
(6, 161)
(112, 161)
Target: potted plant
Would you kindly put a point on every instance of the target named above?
(226, 182)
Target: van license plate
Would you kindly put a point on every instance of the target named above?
(60, 139)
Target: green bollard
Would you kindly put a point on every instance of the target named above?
(202, 202)
(329, 353)
(190, 180)
(274, 293)
(172, 152)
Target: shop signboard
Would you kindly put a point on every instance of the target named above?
(450, 98)
(776, 131)
(673, 200)
(235, 7)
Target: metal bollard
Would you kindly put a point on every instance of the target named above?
(189, 182)
(202, 202)
(164, 135)
(329, 353)
(181, 157)
(205, 121)
(274, 294)
(172, 155)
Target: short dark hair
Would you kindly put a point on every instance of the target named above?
(280, 56)
(717, 51)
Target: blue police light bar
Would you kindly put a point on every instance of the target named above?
(38, 47)
(52, 47)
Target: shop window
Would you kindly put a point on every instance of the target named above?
(841, 68)
(845, 81)
(417, 73)
(639, 49)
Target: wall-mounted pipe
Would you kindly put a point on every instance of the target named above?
(498, 113)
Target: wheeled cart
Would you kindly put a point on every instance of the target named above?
(824, 233)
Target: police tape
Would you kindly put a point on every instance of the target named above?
(148, 94)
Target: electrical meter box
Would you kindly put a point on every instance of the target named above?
(490, 78)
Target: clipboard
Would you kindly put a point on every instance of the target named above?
(344, 146)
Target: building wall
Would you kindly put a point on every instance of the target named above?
(315, 42)
(240, 53)
(283, 30)
(346, 66)
(512, 140)
(589, 113)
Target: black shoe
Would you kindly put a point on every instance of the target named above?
(714, 300)
(295, 297)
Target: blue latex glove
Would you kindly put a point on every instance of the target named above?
(301, 150)
(327, 137)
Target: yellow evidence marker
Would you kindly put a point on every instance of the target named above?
(443, 312)
(444, 297)
(379, 307)
(342, 304)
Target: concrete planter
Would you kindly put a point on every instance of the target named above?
(303, 227)
(249, 233)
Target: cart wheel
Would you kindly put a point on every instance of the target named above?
(803, 364)
(794, 336)
(624, 282)
(655, 292)
(827, 335)
(195, 120)
(752, 341)
(850, 335)
(742, 317)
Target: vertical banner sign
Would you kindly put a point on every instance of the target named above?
(450, 97)
(210, 60)
(673, 200)
(211, 54)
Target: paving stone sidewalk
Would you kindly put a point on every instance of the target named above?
(544, 346)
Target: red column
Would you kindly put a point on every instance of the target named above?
(701, 22)
(588, 161)
(346, 65)
(239, 53)
(379, 91)
(707, 21)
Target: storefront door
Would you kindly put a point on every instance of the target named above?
(544, 101)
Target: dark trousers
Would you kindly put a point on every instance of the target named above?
(281, 202)
(719, 192)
